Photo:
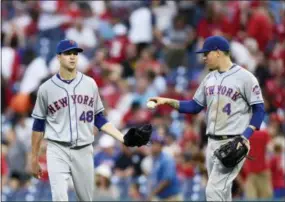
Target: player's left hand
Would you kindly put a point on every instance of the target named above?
(138, 136)
(246, 142)
(233, 152)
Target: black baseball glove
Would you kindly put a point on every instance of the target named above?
(138, 136)
(233, 152)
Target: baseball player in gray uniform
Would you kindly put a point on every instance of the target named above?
(235, 108)
(68, 106)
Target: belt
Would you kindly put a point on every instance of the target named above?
(69, 144)
(221, 137)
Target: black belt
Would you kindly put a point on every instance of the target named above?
(221, 137)
(69, 144)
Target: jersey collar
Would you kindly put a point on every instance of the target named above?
(233, 68)
(56, 78)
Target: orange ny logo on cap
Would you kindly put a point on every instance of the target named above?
(71, 42)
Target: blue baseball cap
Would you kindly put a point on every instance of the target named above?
(66, 45)
(213, 43)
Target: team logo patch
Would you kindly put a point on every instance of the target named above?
(71, 42)
(256, 90)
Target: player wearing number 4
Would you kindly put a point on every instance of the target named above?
(235, 109)
(67, 108)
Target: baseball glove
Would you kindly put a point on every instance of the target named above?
(233, 152)
(138, 136)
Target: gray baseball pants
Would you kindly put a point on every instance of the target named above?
(63, 163)
(220, 178)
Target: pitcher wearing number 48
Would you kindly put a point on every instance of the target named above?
(68, 107)
(235, 109)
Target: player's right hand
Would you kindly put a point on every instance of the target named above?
(159, 100)
(36, 169)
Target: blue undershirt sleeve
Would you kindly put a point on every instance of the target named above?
(191, 107)
(100, 120)
(258, 113)
(39, 125)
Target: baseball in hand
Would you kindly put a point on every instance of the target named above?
(151, 104)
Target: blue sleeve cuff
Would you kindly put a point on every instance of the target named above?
(39, 125)
(100, 120)
(256, 119)
(248, 132)
(191, 107)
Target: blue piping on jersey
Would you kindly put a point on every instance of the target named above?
(68, 109)
(219, 97)
(76, 109)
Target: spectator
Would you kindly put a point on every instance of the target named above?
(36, 71)
(258, 21)
(135, 115)
(130, 62)
(141, 28)
(134, 192)
(118, 44)
(165, 185)
(123, 171)
(277, 167)
(138, 156)
(177, 40)
(143, 91)
(158, 82)
(17, 153)
(83, 35)
(122, 106)
(164, 12)
(147, 62)
(215, 22)
(258, 175)
(106, 153)
(11, 69)
(171, 146)
(104, 191)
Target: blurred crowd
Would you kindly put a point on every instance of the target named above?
(135, 50)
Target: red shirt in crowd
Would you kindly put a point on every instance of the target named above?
(135, 117)
(206, 28)
(277, 171)
(260, 28)
(276, 92)
(4, 165)
(185, 170)
(258, 144)
(117, 49)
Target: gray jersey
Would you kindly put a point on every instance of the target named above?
(228, 97)
(69, 109)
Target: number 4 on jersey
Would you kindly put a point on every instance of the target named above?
(88, 116)
(227, 109)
